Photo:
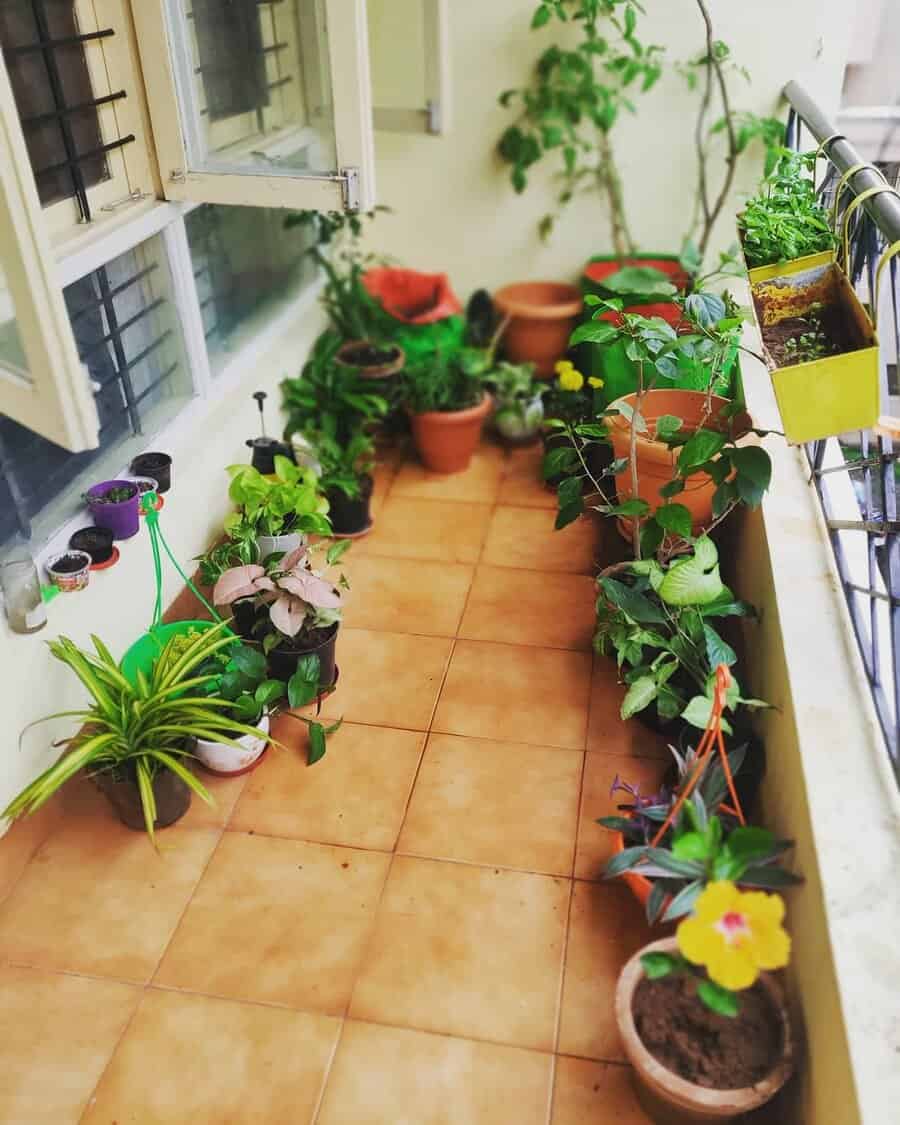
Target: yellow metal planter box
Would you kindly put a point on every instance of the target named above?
(823, 397)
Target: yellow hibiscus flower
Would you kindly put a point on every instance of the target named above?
(596, 383)
(735, 934)
(571, 380)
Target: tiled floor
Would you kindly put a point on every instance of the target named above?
(414, 931)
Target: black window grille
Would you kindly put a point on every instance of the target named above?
(124, 331)
(43, 49)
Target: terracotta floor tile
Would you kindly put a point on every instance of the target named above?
(469, 951)
(98, 899)
(522, 482)
(279, 921)
(390, 1076)
(22, 840)
(406, 595)
(388, 679)
(606, 927)
(194, 1059)
(58, 1034)
(526, 607)
(495, 803)
(594, 1093)
(607, 732)
(526, 538)
(436, 530)
(515, 693)
(355, 796)
(479, 484)
(600, 770)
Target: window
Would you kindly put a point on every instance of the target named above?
(127, 330)
(415, 97)
(246, 266)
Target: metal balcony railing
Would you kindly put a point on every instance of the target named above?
(855, 476)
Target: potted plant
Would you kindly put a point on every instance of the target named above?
(70, 571)
(338, 254)
(702, 1022)
(98, 542)
(115, 504)
(542, 315)
(289, 611)
(571, 405)
(447, 405)
(518, 402)
(133, 737)
(157, 466)
(419, 311)
(346, 478)
(280, 509)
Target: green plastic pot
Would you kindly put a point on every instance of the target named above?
(147, 649)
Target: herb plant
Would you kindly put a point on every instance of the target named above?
(809, 346)
(786, 220)
(115, 495)
(444, 381)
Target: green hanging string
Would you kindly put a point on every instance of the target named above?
(148, 502)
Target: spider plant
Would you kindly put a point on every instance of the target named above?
(135, 731)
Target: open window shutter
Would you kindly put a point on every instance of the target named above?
(43, 384)
(418, 31)
(260, 103)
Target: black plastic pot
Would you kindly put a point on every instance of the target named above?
(265, 450)
(157, 466)
(283, 660)
(351, 517)
(97, 541)
(173, 799)
(244, 617)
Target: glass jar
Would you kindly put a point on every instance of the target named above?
(22, 598)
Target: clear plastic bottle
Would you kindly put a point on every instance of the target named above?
(21, 586)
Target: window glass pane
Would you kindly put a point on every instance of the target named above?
(254, 85)
(247, 267)
(128, 336)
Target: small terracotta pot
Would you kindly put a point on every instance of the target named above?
(379, 371)
(446, 440)
(656, 461)
(542, 315)
(672, 1100)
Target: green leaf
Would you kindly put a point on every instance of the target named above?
(337, 550)
(656, 900)
(630, 21)
(667, 425)
(623, 861)
(673, 488)
(690, 845)
(686, 868)
(652, 536)
(698, 712)
(658, 965)
(683, 902)
(769, 878)
(700, 447)
(541, 17)
(717, 651)
(303, 686)
(633, 604)
(569, 491)
(749, 845)
(569, 514)
(316, 743)
(633, 507)
(564, 459)
(753, 462)
(687, 584)
(268, 691)
(640, 695)
(705, 309)
(250, 662)
(640, 281)
(718, 999)
(676, 519)
(594, 332)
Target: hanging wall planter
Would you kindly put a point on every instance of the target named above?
(542, 316)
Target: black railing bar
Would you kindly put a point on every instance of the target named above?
(149, 350)
(112, 319)
(884, 209)
(853, 466)
(156, 383)
(64, 41)
(875, 595)
(121, 328)
(65, 111)
(228, 65)
(277, 84)
(80, 158)
(114, 291)
(873, 527)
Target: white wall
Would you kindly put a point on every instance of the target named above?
(455, 210)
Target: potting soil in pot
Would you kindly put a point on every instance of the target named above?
(717, 1052)
(828, 328)
(367, 355)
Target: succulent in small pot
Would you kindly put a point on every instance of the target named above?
(157, 466)
(70, 571)
(115, 504)
(97, 541)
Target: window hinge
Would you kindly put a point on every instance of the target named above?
(349, 180)
(135, 196)
(178, 176)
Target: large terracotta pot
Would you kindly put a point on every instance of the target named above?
(542, 316)
(446, 440)
(672, 1100)
(656, 461)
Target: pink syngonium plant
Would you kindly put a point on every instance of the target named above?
(294, 593)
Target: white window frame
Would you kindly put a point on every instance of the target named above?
(350, 187)
(53, 398)
(434, 116)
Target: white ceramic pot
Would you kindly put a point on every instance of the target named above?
(228, 760)
(519, 421)
(269, 544)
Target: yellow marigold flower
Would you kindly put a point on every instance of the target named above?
(563, 365)
(593, 381)
(571, 380)
(735, 934)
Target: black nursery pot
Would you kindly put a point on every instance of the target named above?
(157, 466)
(283, 660)
(96, 541)
(265, 450)
(173, 799)
(351, 517)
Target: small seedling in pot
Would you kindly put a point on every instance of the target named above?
(116, 495)
(808, 347)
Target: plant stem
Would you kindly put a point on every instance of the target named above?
(632, 458)
(608, 175)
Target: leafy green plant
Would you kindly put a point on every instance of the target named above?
(344, 466)
(238, 549)
(657, 621)
(786, 219)
(517, 397)
(809, 346)
(133, 731)
(445, 381)
(118, 494)
(289, 500)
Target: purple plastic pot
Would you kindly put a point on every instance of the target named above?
(122, 519)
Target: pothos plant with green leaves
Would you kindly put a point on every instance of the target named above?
(657, 621)
(710, 332)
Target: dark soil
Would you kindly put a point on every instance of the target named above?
(718, 1052)
(367, 355)
(831, 322)
(68, 564)
(116, 495)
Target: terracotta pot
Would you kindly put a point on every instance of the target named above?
(672, 1100)
(543, 316)
(656, 461)
(446, 440)
(639, 885)
(377, 371)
